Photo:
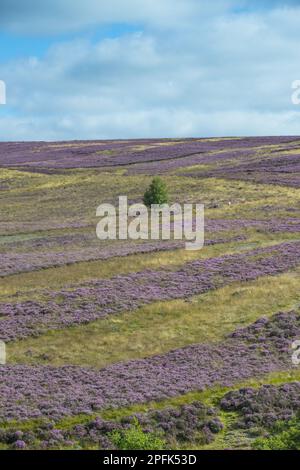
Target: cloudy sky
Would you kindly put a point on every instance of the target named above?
(81, 69)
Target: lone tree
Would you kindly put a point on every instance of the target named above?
(156, 193)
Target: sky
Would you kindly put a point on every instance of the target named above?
(110, 69)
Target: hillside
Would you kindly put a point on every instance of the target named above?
(196, 344)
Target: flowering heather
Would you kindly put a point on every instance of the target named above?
(48, 220)
(6, 228)
(99, 298)
(273, 225)
(264, 406)
(39, 253)
(43, 391)
(80, 154)
(185, 423)
(205, 157)
(282, 170)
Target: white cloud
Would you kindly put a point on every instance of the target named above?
(60, 16)
(228, 75)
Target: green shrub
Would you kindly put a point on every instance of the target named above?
(284, 436)
(134, 438)
(156, 193)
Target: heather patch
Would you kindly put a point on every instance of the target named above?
(118, 153)
(14, 262)
(43, 391)
(192, 422)
(264, 406)
(279, 170)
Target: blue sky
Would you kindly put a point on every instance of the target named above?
(148, 68)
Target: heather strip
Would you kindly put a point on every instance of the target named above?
(280, 170)
(18, 262)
